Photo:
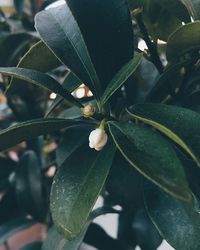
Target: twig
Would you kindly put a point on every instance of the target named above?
(151, 45)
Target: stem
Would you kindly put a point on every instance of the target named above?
(103, 123)
(151, 45)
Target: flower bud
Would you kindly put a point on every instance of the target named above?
(98, 139)
(88, 110)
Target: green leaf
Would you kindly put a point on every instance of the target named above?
(152, 156)
(177, 221)
(30, 129)
(71, 113)
(179, 124)
(193, 8)
(72, 139)
(55, 241)
(162, 19)
(29, 186)
(67, 43)
(108, 33)
(167, 82)
(183, 40)
(32, 246)
(177, 8)
(76, 187)
(11, 42)
(70, 83)
(42, 80)
(125, 72)
(40, 58)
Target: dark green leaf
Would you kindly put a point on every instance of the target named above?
(125, 72)
(72, 139)
(183, 40)
(152, 156)
(40, 58)
(32, 246)
(107, 30)
(30, 129)
(67, 43)
(70, 83)
(167, 82)
(71, 113)
(179, 124)
(29, 187)
(76, 187)
(193, 8)
(177, 8)
(9, 43)
(177, 221)
(42, 80)
(147, 236)
(124, 184)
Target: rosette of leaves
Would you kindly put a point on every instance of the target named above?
(153, 146)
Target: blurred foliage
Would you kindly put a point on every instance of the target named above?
(135, 65)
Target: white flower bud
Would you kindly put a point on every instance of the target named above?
(98, 139)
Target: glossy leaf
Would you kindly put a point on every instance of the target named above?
(125, 72)
(40, 58)
(73, 195)
(152, 156)
(67, 43)
(72, 139)
(107, 30)
(183, 40)
(177, 221)
(55, 241)
(30, 129)
(179, 124)
(41, 80)
(70, 83)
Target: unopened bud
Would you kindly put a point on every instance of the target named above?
(98, 139)
(136, 12)
(88, 110)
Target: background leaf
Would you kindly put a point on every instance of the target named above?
(42, 80)
(125, 72)
(109, 39)
(184, 39)
(39, 52)
(70, 83)
(30, 129)
(67, 43)
(72, 139)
